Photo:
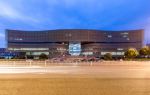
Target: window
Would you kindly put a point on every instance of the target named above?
(39, 53)
(113, 53)
(28, 49)
(109, 36)
(87, 53)
(125, 36)
(120, 49)
(128, 39)
(61, 49)
(18, 39)
(124, 33)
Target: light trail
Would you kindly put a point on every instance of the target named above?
(104, 70)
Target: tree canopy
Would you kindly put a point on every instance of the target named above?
(43, 56)
(131, 53)
(144, 51)
(108, 56)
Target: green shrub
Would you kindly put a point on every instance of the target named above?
(108, 56)
(144, 51)
(43, 56)
(131, 53)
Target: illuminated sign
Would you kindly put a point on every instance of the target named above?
(74, 48)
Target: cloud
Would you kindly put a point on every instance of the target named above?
(2, 35)
(8, 11)
(90, 14)
(147, 31)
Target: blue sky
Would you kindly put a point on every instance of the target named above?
(76, 14)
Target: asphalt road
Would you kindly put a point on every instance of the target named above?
(108, 78)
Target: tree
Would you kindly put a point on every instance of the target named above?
(108, 56)
(43, 56)
(131, 53)
(30, 57)
(20, 55)
(144, 51)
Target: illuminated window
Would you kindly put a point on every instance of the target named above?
(18, 39)
(61, 49)
(125, 33)
(28, 49)
(103, 53)
(87, 53)
(39, 53)
(109, 36)
(113, 53)
(119, 48)
(128, 39)
(125, 36)
(120, 53)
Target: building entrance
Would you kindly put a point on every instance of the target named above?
(74, 48)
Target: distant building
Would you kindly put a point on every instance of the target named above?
(148, 45)
(73, 42)
(4, 53)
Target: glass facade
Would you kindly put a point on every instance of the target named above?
(74, 42)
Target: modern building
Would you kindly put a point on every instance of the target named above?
(73, 42)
